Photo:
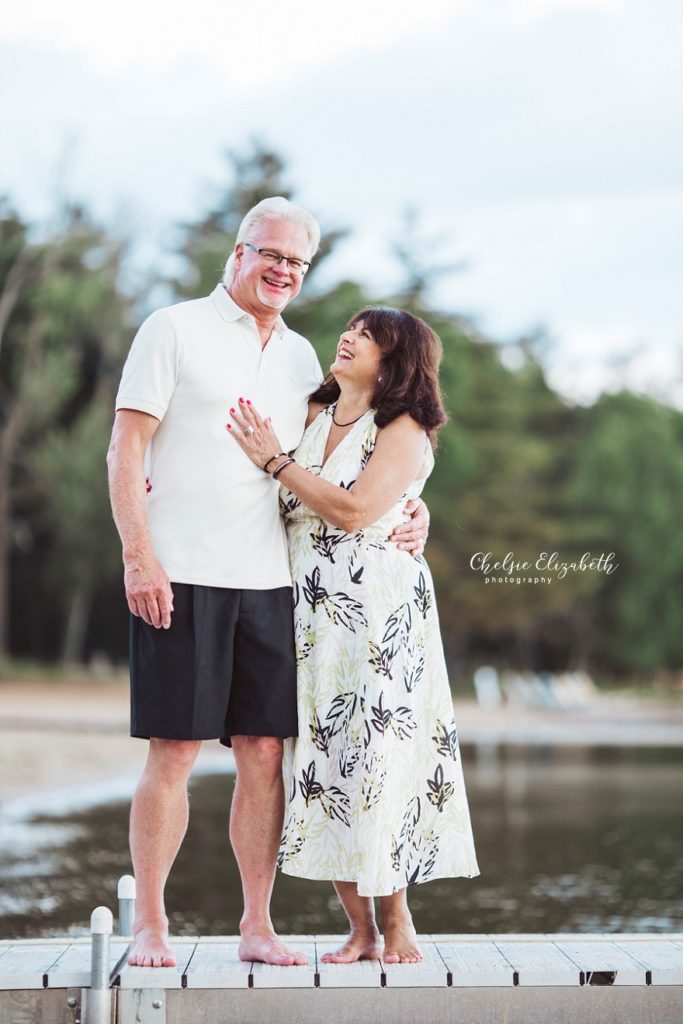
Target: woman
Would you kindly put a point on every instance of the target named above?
(376, 799)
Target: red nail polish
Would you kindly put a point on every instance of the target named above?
(248, 401)
(232, 410)
(228, 426)
(241, 399)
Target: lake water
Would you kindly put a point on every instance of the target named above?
(579, 840)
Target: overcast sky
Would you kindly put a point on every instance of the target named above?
(541, 139)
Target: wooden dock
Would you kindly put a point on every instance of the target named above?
(478, 979)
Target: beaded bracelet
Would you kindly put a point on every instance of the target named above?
(271, 459)
(287, 462)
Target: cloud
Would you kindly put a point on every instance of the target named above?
(538, 135)
(250, 44)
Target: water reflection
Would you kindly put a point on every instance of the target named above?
(567, 840)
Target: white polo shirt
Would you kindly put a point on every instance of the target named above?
(213, 515)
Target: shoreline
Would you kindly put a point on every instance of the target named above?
(67, 737)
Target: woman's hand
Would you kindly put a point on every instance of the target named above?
(255, 436)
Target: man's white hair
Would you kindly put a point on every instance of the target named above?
(275, 208)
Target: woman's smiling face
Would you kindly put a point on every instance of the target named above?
(358, 356)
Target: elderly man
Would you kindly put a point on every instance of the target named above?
(206, 565)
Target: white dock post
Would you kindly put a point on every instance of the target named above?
(126, 895)
(98, 1000)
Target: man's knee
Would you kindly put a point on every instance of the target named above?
(174, 758)
(260, 755)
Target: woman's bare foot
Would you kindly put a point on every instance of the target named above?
(400, 941)
(267, 948)
(150, 947)
(365, 945)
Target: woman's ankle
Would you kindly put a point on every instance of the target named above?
(396, 913)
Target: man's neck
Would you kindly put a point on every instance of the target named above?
(265, 321)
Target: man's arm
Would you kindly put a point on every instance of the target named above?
(148, 589)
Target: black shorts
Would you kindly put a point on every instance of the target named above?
(225, 667)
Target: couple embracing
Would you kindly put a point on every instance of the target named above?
(272, 533)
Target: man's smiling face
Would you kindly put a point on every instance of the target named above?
(258, 287)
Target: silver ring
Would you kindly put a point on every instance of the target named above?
(248, 430)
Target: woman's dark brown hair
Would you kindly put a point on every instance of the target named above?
(409, 369)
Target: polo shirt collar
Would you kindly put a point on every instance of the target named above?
(231, 312)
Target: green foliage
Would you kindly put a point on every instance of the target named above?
(63, 339)
(68, 466)
(627, 486)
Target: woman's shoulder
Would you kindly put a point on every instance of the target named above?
(403, 427)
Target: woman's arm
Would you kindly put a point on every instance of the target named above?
(395, 463)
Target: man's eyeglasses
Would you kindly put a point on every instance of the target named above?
(270, 256)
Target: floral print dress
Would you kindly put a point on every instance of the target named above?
(375, 789)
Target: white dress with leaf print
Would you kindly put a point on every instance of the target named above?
(375, 789)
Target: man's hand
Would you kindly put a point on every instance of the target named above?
(148, 591)
(412, 536)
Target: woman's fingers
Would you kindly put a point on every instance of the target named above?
(249, 433)
(251, 413)
(242, 422)
(245, 414)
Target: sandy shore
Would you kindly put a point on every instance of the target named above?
(75, 733)
(58, 734)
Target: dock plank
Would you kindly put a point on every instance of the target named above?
(304, 976)
(664, 959)
(217, 965)
(538, 963)
(611, 936)
(431, 972)
(476, 964)
(364, 974)
(72, 969)
(25, 967)
(599, 958)
(160, 977)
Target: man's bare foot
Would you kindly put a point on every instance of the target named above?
(267, 948)
(400, 942)
(358, 946)
(150, 948)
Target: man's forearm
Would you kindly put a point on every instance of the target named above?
(128, 501)
(148, 589)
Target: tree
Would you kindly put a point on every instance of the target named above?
(62, 331)
(626, 488)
